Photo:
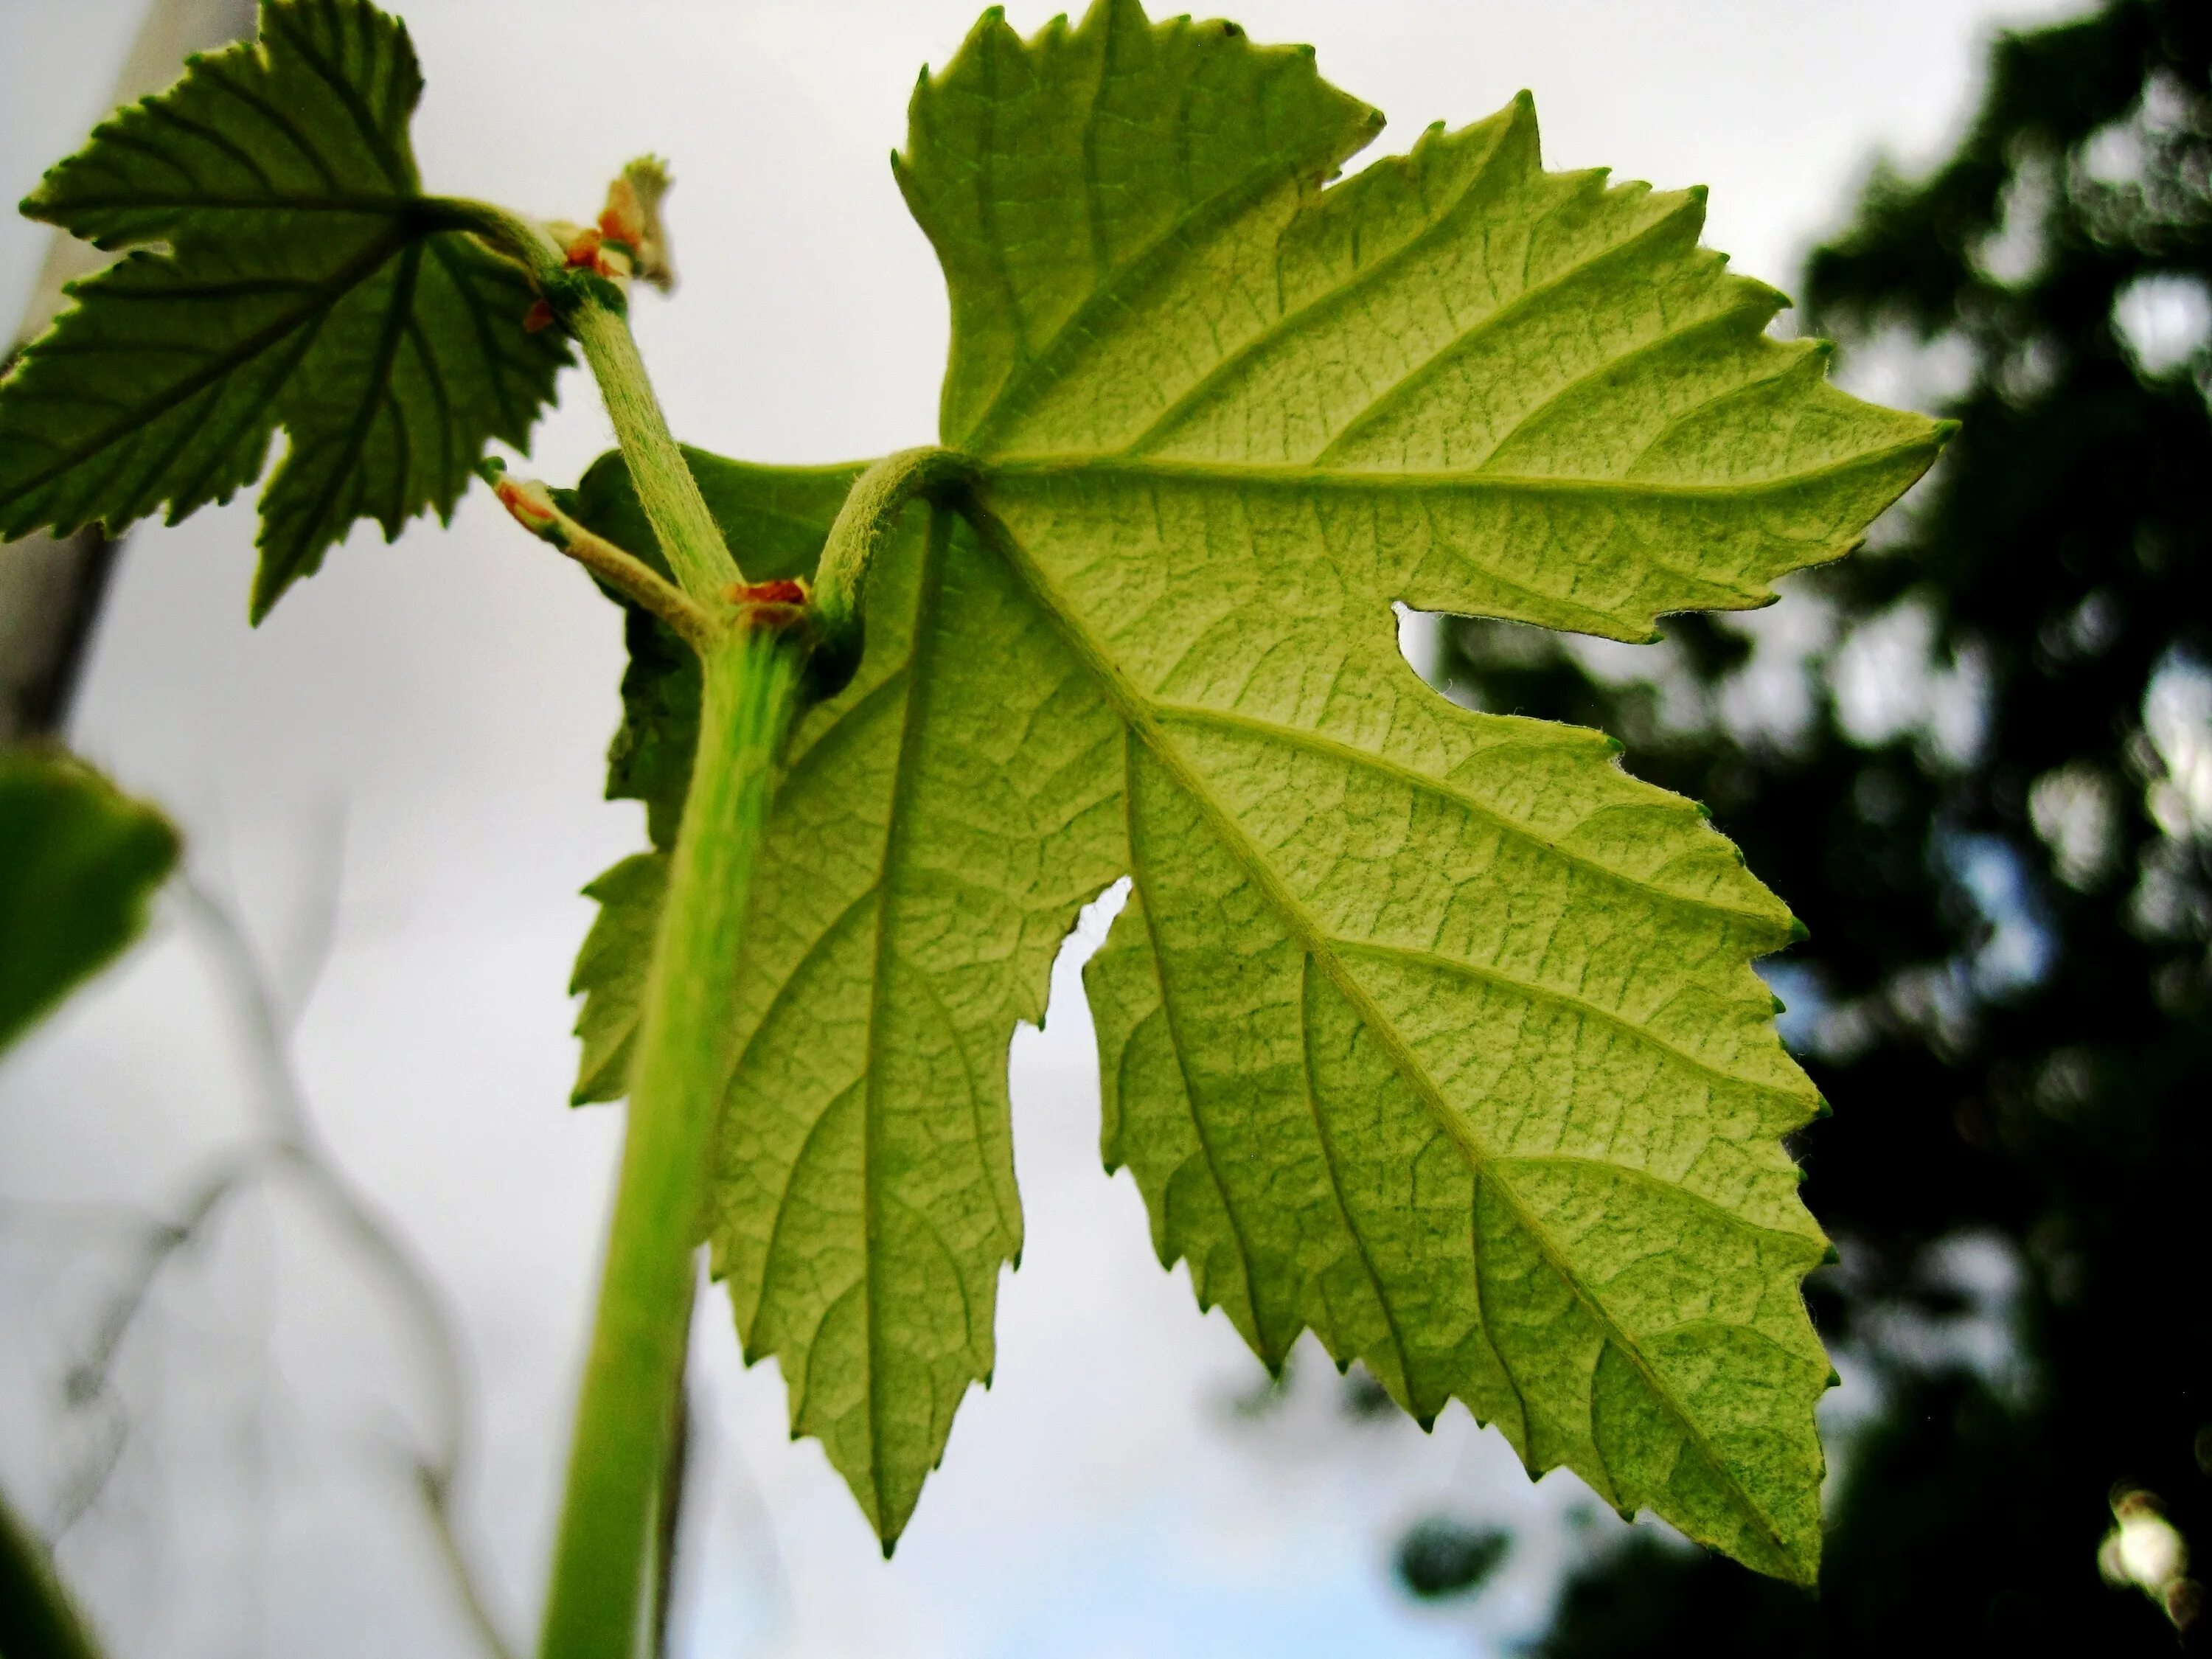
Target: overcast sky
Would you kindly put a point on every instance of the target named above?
(437, 712)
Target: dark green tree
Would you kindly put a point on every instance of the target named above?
(1993, 805)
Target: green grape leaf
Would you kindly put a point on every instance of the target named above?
(301, 279)
(79, 860)
(1431, 1031)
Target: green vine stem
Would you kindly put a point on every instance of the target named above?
(752, 657)
(595, 309)
(682, 1059)
(665, 487)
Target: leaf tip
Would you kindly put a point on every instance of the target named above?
(1799, 932)
(1821, 1109)
(1945, 431)
(1829, 1258)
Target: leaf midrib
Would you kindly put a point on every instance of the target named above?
(1311, 1089)
(1291, 474)
(397, 317)
(1533, 991)
(1378, 409)
(1263, 1338)
(924, 638)
(1136, 712)
(1319, 744)
(318, 300)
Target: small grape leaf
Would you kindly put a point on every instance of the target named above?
(610, 972)
(1429, 1031)
(79, 860)
(301, 279)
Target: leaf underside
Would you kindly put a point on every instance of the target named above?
(1431, 1031)
(79, 861)
(299, 282)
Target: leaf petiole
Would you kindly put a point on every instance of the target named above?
(531, 505)
(870, 513)
(594, 308)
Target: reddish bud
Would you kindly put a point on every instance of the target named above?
(783, 591)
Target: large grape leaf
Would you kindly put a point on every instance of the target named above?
(301, 279)
(1429, 1031)
(79, 861)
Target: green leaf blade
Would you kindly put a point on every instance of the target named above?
(611, 973)
(307, 285)
(866, 1202)
(1523, 951)
(1430, 1031)
(79, 863)
(1051, 178)
(1427, 1030)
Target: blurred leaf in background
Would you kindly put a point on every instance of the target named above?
(1440, 1558)
(79, 860)
(1978, 761)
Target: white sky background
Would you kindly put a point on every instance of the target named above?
(447, 701)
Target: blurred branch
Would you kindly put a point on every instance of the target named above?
(161, 1240)
(298, 1148)
(290, 1146)
(87, 1384)
(52, 586)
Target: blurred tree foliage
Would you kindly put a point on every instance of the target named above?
(1978, 761)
